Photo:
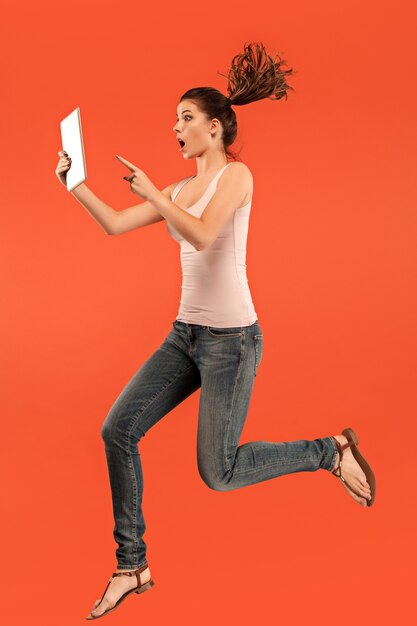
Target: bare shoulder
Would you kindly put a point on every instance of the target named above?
(238, 166)
(242, 166)
(241, 178)
(241, 173)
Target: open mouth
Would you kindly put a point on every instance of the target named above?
(182, 143)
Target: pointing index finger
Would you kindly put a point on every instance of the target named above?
(127, 163)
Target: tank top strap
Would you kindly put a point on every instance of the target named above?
(216, 178)
(213, 182)
(178, 188)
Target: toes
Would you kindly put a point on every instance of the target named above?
(362, 501)
(365, 492)
(361, 486)
(365, 484)
(366, 495)
(95, 605)
(97, 610)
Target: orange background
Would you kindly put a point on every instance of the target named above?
(331, 263)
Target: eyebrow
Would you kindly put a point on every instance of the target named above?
(186, 111)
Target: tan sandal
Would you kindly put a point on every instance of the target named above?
(139, 589)
(352, 441)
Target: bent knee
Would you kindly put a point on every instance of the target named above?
(213, 479)
(108, 431)
(115, 428)
(119, 427)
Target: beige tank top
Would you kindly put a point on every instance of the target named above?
(215, 290)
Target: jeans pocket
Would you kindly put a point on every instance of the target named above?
(224, 332)
(258, 341)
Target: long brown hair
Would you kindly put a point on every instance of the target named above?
(253, 75)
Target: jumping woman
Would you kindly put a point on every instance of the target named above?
(216, 342)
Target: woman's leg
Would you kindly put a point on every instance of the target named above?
(167, 378)
(164, 380)
(228, 360)
(228, 363)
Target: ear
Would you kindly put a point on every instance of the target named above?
(215, 125)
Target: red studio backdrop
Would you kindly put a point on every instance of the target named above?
(331, 264)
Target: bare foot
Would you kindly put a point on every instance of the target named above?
(118, 586)
(353, 473)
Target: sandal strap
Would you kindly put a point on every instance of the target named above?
(136, 573)
(341, 448)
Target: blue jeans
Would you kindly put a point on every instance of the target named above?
(224, 363)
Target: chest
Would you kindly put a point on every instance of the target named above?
(193, 192)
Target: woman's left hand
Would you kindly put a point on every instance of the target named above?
(139, 182)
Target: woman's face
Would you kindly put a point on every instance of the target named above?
(198, 133)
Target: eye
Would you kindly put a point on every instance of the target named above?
(185, 117)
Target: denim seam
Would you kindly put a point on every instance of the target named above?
(131, 466)
(135, 493)
(226, 439)
(276, 463)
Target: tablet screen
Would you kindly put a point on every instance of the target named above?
(72, 143)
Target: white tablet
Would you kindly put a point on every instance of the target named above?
(72, 143)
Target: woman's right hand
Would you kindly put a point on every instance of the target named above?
(63, 166)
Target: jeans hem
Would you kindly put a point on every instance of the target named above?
(333, 456)
(124, 566)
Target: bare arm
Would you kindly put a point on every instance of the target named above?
(101, 212)
(117, 222)
(139, 215)
(111, 221)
